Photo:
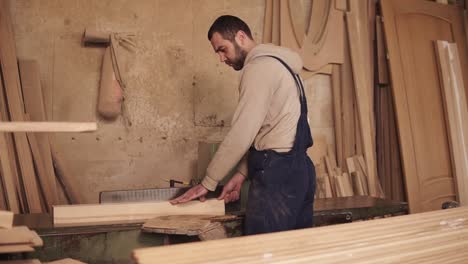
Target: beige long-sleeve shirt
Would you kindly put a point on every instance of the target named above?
(266, 115)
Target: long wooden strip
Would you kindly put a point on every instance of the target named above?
(23, 261)
(337, 120)
(34, 105)
(297, 14)
(268, 22)
(102, 214)
(65, 176)
(47, 126)
(392, 240)
(15, 103)
(6, 219)
(362, 98)
(15, 249)
(457, 111)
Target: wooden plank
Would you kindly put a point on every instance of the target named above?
(65, 176)
(391, 240)
(6, 219)
(362, 97)
(34, 106)
(22, 261)
(13, 91)
(268, 22)
(102, 214)
(275, 29)
(457, 113)
(287, 35)
(381, 53)
(324, 43)
(47, 126)
(337, 120)
(9, 174)
(15, 249)
(417, 94)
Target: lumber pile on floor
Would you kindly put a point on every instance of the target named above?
(437, 236)
(27, 175)
(118, 213)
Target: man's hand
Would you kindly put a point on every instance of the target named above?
(231, 190)
(197, 191)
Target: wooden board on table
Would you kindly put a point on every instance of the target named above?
(441, 235)
(103, 214)
(20, 235)
(22, 261)
(6, 219)
(15, 105)
(457, 113)
(190, 225)
(15, 249)
(418, 98)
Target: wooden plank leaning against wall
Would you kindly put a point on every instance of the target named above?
(457, 112)
(417, 94)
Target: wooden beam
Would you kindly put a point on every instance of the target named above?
(457, 113)
(103, 214)
(441, 235)
(47, 126)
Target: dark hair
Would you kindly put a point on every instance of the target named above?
(228, 26)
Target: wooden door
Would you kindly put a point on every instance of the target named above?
(411, 27)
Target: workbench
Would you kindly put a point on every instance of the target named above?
(114, 243)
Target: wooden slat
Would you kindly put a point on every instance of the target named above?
(66, 177)
(15, 249)
(381, 53)
(101, 214)
(47, 126)
(275, 29)
(34, 105)
(417, 94)
(457, 113)
(337, 120)
(417, 238)
(15, 103)
(268, 22)
(362, 85)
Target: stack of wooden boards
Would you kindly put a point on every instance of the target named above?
(396, 116)
(433, 237)
(16, 239)
(27, 175)
(333, 181)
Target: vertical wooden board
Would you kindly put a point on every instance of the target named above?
(417, 94)
(34, 105)
(15, 103)
(457, 113)
(268, 22)
(381, 53)
(341, 5)
(347, 101)
(337, 120)
(275, 29)
(362, 97)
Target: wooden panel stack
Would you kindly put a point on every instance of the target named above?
(18, 239)
(27, 174)
(419, 238)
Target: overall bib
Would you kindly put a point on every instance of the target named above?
(282, 186)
